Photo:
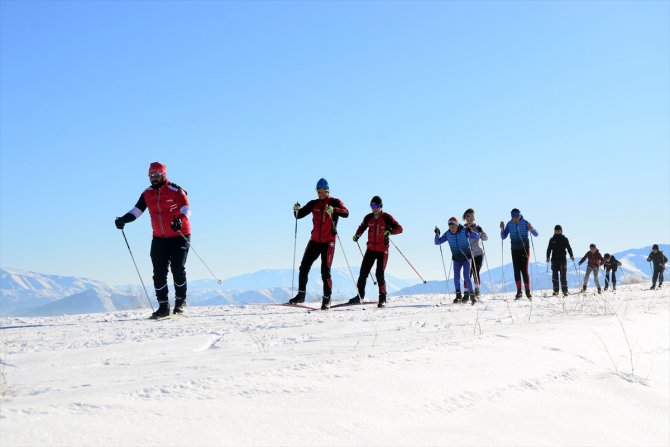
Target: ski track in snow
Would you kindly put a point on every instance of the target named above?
(549, 372)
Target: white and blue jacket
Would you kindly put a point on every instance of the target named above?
(459, 243)
(518, 234)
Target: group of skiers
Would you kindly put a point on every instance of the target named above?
(170, 211)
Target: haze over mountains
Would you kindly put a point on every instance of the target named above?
(24, 293)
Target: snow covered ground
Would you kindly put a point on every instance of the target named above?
(590, 370)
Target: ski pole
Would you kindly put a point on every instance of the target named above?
(218, 281)
(502, 265)
(486, 259)
(371, 277)
(410, 264)
(136, 269)
(348, 266)
(295, 241)
(444, 267)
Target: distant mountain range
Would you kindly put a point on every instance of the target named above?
(24, 293)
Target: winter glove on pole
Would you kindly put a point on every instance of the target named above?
(329, 210)
(437, 231)
(502, 225)
(119, 223)
(176, 223)
(387, 233)
(356, 237)
(296, 207)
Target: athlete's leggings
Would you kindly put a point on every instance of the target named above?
(520, 266)
(315, 249)
(465, 265)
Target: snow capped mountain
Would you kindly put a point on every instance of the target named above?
(32, 294)
(26, 293)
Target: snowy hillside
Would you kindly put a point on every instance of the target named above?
(29, 293)
(584, 371)
(634, 269)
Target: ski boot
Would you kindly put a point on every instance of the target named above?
(325, 302)
(355, 300)
(458, 298)
(179, 304)
(528, 295)
(382, 302)
(583, 289)
(565, 293)
(298, 299)
(613, 288)
(555, 293)
(466, 297)
(162, 311)
(477, 293)
(653, 286)
(473, 297)
(518, 294)
(605, 288)
(599, 291)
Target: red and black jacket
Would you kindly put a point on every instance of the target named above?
(376, 228)
(165, 203)
(325, 226)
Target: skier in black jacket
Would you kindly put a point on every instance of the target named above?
(558, 244)
(611, 264)
(659, 260)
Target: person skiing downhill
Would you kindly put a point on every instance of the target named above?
(459, 242)
(169, 210)
(517, 229)
(658, 259)
(558, 244)
(326, 211)
(610, 264)
(477, 248)
(380, 226)
(595, 261)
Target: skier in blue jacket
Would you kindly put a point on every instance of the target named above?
(461, 254)
(518, 229)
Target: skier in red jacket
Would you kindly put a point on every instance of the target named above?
(380, 226)
(169, 211)
(325, 212)
(595, 261)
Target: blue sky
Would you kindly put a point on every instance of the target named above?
(560, 109)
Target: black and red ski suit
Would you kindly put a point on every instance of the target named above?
(377, 249)
(322, 241)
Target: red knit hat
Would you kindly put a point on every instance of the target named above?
(158, 167)
(454, 220)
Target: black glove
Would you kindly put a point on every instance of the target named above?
(468, 230)
(437, 231)
(479, 229)
(176, 223)
(119, 223)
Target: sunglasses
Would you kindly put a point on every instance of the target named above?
(452, 224)
(469, 215)
(374, 206)
(155, 174)
(321, 191)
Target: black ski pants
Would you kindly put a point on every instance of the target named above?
(313, 250)
(520, 266)
(607, 277)
(559, 267)
(476, 268)
(370, 257)
(657, 276)
(169, 252)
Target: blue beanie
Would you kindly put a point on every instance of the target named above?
(516, 213)
(322, 184)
